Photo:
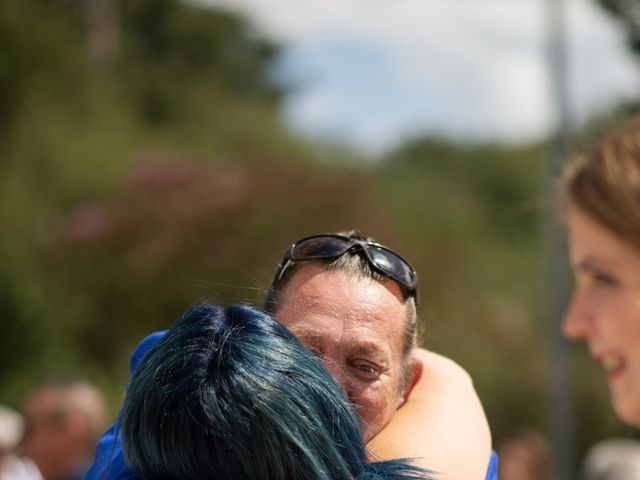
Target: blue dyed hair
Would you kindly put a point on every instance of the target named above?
(229, 393)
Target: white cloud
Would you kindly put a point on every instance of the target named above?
(601, 68)
(372, 71)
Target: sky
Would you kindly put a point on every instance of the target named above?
(370, 73)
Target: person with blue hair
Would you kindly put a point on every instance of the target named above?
(229, 393)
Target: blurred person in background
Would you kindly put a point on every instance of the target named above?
(229, 393)
(63, 419)
(524, 455)
(602, 196)
(12, 467)
(612, 459)
(353, 302)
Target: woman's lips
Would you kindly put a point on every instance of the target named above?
(613, 366)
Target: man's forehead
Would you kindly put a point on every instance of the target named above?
(355, 341)
(313, 284)
(327, 324)
(43, 398)
(330, 304)
(318, 333)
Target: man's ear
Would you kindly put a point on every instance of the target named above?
(414, 372)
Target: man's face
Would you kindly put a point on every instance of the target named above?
(356, 327)
(46, 439)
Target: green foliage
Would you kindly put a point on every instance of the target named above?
(42, 60)
(170, 47)
(71, 133)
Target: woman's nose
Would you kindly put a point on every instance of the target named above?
(578, 319)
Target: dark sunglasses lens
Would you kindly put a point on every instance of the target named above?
(393, 266)
(319, 247)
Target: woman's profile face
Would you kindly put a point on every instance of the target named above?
(605, 308)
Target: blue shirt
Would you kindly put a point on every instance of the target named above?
(109, 463)
(492, 470)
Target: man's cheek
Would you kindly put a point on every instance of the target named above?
(372, 402)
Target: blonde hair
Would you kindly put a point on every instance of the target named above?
(605, 182)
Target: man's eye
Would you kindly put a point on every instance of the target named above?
(366, 370)
(317, 352)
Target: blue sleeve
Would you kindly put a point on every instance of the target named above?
(108, 463)
(492, 471)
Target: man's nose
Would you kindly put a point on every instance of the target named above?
(577, 323)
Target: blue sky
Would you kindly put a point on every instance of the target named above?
(372, 72)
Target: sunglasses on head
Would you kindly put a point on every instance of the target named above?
(328, 247)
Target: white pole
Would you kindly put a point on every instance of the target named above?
(559, 411)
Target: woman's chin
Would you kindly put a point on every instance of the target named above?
(627, 410)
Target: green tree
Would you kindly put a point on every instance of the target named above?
(70, 134)
(169, 46)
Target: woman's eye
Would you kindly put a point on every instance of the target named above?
(605, 279)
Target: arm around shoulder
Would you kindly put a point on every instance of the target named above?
(441, 425)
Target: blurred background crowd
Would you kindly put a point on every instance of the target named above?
(146, 163)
